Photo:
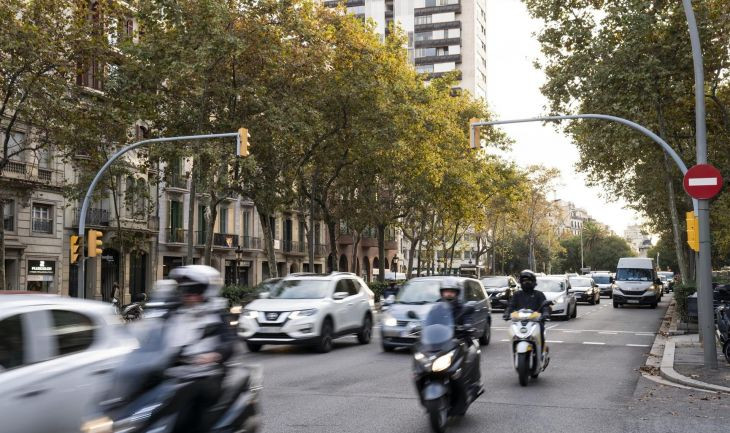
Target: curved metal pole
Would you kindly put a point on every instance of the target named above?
(657, 139)
(87, 198)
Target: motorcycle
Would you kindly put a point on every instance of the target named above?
(529, 353)
(446, 368)
(133, 311)
(722, 322)
(153, 389)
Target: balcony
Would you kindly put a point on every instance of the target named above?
(294, 247)
(176, 181)
(348, 3)
(45, 175)
(223, 240)
(439, 7)
(251, 243)
(94, 217)
(16, 167)
(456, 58)
(175, 235)
(42, 225)
(437, 26)
(442, 42)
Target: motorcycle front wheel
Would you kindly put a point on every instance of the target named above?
(523, 367)
(438, 417)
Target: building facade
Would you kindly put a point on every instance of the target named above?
(443, 35)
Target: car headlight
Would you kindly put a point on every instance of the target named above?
(250, 314)
(99, 425)
(302, 313)
(560, 300)
(389, 320)
(443, 362)
(236, 310)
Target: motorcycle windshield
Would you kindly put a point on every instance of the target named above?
(438, 328)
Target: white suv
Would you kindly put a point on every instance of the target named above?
(309, 310)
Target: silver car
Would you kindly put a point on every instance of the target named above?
(56, 357)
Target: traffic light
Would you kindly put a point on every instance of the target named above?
(475, 133)
(75, 245)
(693, 231)
(243, 144)
(94, 243)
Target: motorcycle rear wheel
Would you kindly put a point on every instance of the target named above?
(523, 367)
(438, 418)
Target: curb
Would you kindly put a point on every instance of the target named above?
(668, 372)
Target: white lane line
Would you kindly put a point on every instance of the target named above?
(568, 331)
(504, 339)
(638, 345)
(645, 334)
(554, 341)
(608, 333)
(552, 326)
(594, 343)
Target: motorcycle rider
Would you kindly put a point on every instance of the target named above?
(200, 328)
(529, 298)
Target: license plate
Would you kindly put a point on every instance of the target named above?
(632, 301)
(269, 329)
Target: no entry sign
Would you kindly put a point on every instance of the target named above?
(703, 181)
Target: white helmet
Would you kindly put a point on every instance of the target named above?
(198, 279)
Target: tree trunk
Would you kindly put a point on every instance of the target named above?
(312, 223)
(332, 234)
(269, 241)
(3, 282)
(453, 247)
(411, 252)
(418, 259)
(210, 224)
(381, 252)
(191, 217)
(356, 235)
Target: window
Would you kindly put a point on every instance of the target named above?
(42, 218)
(247, 223)
(176, 214)
(12, 348)
(9, 216)
(424, 69)
(484, 46)
(429, 3)
(224, 220)
(140, 202)
(427, 36)
(352, 287)
(474, 292)
(423, 19)
(16, 145)
(74, 332)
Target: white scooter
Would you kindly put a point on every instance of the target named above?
(529, 353)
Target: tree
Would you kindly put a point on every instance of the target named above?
(632, 59)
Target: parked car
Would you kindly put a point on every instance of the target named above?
(415, 300)
(665, 283)
(557, 289)
(309, 310)
(636, 283)
(670, 279)
(56, 358)
(500, 290)
(585, 289)
(604, 281)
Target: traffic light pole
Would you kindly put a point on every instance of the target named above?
(81, 291)
(704, 264)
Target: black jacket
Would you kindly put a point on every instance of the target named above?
(534, 301)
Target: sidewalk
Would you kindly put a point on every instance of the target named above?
(682, 361)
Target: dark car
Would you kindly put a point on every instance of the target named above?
(500, 290)
(416, 298)
(585, 289)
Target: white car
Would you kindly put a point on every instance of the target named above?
(309, 310)
(56, 356)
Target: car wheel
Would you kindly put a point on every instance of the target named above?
(615, 305)
(366, 332)
(575, 312)
(598, 299)
(253, 347)
(387, 348)
(592, 301)
(486, 335)
(610, 296)
(653, 306)
(325, 337)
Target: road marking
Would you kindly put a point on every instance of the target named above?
(552, 326)
(570, 331)
(594, 343)
(553, 341)
(504, 339)
(608, 332)
(638, 345)
(645, 334)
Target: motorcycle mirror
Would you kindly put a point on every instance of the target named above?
(412, 315)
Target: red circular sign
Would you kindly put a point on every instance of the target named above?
(703, 181)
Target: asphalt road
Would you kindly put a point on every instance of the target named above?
(592, 384)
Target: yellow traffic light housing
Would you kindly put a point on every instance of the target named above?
(475, 133)
(94, 243)
(693, 231)
(75, 242)
(242, 142)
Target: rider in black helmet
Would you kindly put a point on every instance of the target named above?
(529, 298)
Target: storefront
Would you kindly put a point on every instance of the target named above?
(41, 276)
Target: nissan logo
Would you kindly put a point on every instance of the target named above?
(272, 316)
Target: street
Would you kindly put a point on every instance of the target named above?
(592, 384)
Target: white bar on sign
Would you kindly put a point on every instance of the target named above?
(703, 181)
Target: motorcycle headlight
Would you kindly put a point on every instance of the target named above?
(302, 313)
(442, 362)
(250, 314)
(98, 425)
(389, 320)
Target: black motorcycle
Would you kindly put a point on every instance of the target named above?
(446, 367)
(154, 388)
(133, 311)
(722, 321)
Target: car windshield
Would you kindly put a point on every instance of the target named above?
(300, 289)
(602, 279)
(419, 292)
(663, 277)
(633, 274)
(549, 285)
(669, 275)
(580, 282)
(495, 282)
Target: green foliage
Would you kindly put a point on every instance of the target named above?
(238, 295)
(667, 257)
(378, 288)
(681, 293)
(601, 250)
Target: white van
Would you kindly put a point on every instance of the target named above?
(636, 283)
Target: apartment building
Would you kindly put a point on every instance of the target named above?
(443, 35)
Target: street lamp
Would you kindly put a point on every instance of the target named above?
(395, 264)
(239, 258)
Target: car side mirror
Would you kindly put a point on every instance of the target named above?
(390, 300)
(264, 295)
(338, 296)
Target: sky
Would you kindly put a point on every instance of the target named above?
(513, 91)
